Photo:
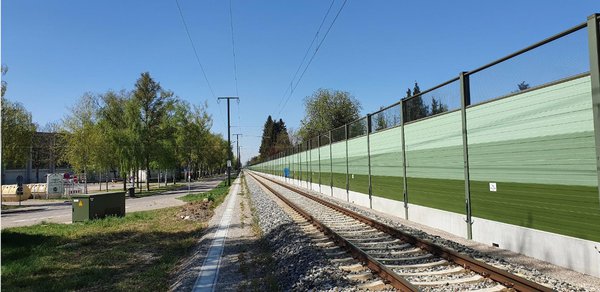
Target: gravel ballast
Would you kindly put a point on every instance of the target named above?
(301, 264)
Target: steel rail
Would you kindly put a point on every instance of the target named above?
(380, 269)
(501, 276)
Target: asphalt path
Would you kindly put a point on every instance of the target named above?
(60, 211)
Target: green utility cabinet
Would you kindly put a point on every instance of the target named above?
(94, 206)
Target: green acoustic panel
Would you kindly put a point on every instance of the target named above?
(386, 152)
(538, 148)
(338, 153)
(314, 165)
(386, 164)
(325, 165)
(543, 136)
(357, 156)
(434, 153)
(358, 164)
(434, 147)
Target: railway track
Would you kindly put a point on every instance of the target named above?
(404, 261)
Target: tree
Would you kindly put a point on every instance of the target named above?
(275, 138)
(17, 130)
(415, 108)
(154, 103)
(294, 136)
(4, 70)
(83, 136)
(327, 109)
(380, 121)
(523, 86)
(17, 134)
(266, 139)
(437, 106)
(117, 122)
(282, 138)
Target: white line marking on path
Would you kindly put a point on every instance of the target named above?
(209, 272)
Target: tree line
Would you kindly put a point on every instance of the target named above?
(147, 128)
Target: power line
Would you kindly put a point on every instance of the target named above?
(194, 48)
(313, 56)
(307, 51)
(233, 49)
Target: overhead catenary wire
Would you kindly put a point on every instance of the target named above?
(313, 56)
(307, 51)
(194, 48)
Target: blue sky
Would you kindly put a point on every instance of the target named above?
(58, 50)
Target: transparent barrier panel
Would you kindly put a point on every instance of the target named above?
(434, 158)
(532, 158)
(386, 164)
(562, 58)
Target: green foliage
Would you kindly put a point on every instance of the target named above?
(415, 108)
(84, 139)
(437, 106)
(380, 121)
(154, 106)
(17, 134)
(147, 128)
(17, 130)
(216, 195)
(117, 121)
(4, 70)
(275, 138)
(327, 109)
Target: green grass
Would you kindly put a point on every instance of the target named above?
(158, 190)
(136, 252)
(217, 195)
(568, 210)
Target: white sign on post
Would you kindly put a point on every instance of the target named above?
(493, 187)
(55, 185)
(228, 163)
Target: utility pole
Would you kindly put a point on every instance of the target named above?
(237, 143)
(229, 136)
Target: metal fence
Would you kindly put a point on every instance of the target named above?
(515, 141)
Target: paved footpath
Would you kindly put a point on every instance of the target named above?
(216, 263)
(60, 211)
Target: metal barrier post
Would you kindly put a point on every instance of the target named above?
(404, 178)
(369, 159)
(465, 94)
(594, 48)
(347, 167)
(330, 164)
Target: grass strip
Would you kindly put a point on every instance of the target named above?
(136, 252)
